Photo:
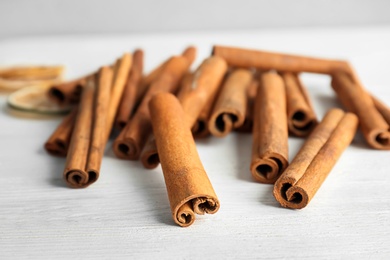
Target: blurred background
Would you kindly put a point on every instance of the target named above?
(53, 17)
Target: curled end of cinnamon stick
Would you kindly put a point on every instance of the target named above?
(200, 130)
(379, 139)
(80, 179)
(222, 123)
(150, 159)
(290, 196)
(185, 215)
(126, 149)
(57, 148)
(269, 168)
(206, 205)
(301, 123)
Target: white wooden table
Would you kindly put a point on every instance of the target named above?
(126, 213)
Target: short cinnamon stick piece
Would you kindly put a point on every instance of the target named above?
(128, 100)
(245, 58)
(300, 113)
(270, 134)
(355, 98)
(132, 139)
(230, 107)
(67, 92)
(189, 189)
(89, 135)
(58, 142)
(301, 180)
(193, 96)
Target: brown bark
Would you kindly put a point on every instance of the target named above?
(245, 58)
(230, 107)
(247, 126)
(301, 180)
(355, 98)
(67, 92)
(300, 113)
(90, 132)
(189, 189)
(270, 132)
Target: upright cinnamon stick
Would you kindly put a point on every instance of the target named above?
(230, 107)
(245, 58)
(193, 96)
(58, 142)
(68, 92)
(355, 98)
(132, 139)
(128, 100)
(301, 180)
(270, 134)
(189, 189)
(300, 113)
(247, 126)
(89, 135)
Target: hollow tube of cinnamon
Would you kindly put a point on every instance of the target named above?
(89, 134)
(121, 71)
(382, 108)
(188, 186)
(355, 98)
(300, 113)
(193, 95)
(245, 58)
(132, 139)
(58, 142)
(270, 132)
(67, 92)
(189, 53)
(230, 107)
(247, 126)
(304, 176)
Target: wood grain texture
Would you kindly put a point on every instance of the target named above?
(126, 215)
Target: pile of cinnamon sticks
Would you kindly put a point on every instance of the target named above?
(159, 114)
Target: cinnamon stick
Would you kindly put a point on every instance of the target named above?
(301, 180)
(230, 107)
(58, 142)
(270, 134)
(300, 113)
(128, 100)
(67, 92)
(132, 139)
(355, 98)
(90, 132)
(245, 58)
(193, 95)
(247, 126)
(382, 108)
(189, 189)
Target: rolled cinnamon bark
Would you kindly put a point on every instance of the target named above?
(301, 180)
(247, 126)
(355, 98)
(230, 107)
(132, 139)
(58, 142)
(90, 132)
(270, 132)
(68, 92)
(193, 95)
(245, 58)
(300, 113)
(128, 100)
(189, 189)
(382, 108)
(121, 71)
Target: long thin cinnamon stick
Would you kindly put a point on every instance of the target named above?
(245, 58)
(301, 180)
(270, 134)
(58, 142)
(355, 98)
(128, 100)
(300, 113)
(230, 107)
(89, 135)
(193, 96)
(132, 139)
(189, 189)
